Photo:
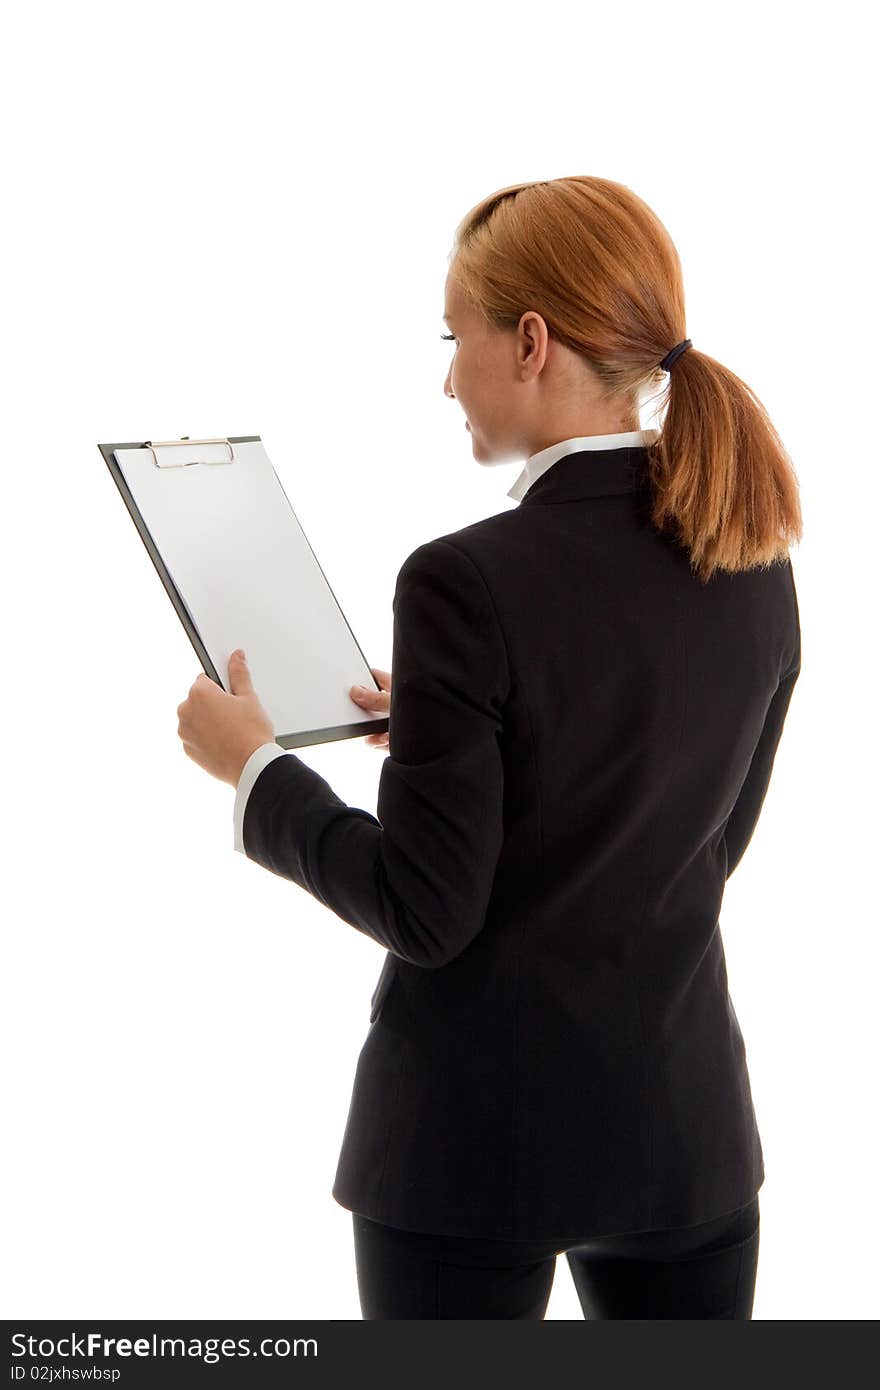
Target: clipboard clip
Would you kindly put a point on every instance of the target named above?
(188, 463)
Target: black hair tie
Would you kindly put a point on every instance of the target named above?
(673, 355)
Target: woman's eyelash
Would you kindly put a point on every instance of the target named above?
(448, 337)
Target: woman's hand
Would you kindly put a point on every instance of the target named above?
(376, 701)
(219, 730)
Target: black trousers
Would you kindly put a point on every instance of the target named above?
(705, 1271)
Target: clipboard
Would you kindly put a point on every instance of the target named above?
(240, 572)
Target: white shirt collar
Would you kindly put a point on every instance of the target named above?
(536, 464)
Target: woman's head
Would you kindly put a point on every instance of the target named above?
(564, 296)
(519, 387)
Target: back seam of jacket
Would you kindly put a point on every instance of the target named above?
(650, 866)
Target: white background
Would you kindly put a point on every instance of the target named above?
(234, 219)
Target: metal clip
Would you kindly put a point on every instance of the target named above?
(171, 443)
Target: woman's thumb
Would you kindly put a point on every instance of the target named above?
(370, 699)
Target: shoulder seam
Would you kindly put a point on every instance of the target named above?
(458, 551)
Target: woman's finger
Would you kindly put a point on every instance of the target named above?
(375, 701)
(383, 677)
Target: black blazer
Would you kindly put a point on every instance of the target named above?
(581, 738)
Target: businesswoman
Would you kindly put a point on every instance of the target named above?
(588, 691)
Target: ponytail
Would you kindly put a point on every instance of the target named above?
(722, 483)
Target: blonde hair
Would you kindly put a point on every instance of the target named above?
(601, 269)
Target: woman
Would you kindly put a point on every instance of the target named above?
(588, 693)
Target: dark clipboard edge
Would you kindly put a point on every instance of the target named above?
(302, 740)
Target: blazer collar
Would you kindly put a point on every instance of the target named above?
(590, 473)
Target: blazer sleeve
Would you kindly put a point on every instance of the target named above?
(418, 876)
(747, 808)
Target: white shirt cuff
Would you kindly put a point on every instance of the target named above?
(260, 758)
